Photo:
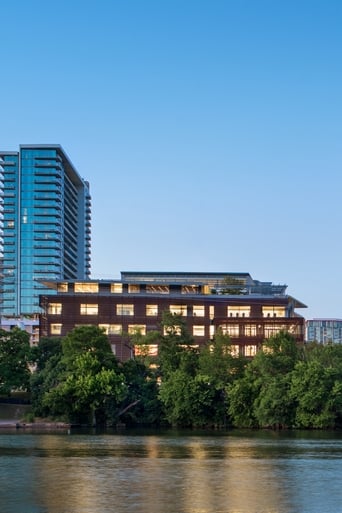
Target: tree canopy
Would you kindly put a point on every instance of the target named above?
(14, 361)
(79, 379)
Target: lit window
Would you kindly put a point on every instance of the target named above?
(250, 350)
(211, 312)
(116, 288)
(250, 330)
(294, 330)
(172, 330)
(211, 331)
(234, 350)
(230, 329)
(238, 311)
(115, 329)
(89, 309)
(146, 349)
(111, 329)
(124, 309)
(104, 327)
(157, 289)
(62, 287)
(133, 289)
(55, 329)
(272, 329)
(198, 311)
(151, 310)
(87, 287)
(273, 311)
(55, 308)
(178, 309)
(113, 348)
(198, 331)
(134, 329)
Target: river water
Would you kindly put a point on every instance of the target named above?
(170, 472)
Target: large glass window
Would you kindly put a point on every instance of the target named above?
(273, 311)
(124, 309)
(55, 329)
(87, 287)
(172, 330)
(230, 329)
(238, 311)
(116, 288)
(134, 329)
(250, 330)
(151, 310)
(234, 350)
(198, 331)
(271, 329)
(133, 289)
(211, 312)
(198, 311)
(111, 329)
(89, 309)
(146, 349)
(178, 310)
(55, 308)
(295, 329)
(250, 350)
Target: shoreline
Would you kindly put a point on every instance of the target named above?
(6, 424)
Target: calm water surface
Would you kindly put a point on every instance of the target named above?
(170, 472)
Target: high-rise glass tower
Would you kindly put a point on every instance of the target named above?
(45, 214)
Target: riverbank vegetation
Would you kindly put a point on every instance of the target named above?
(80, 381)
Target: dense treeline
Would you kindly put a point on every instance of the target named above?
(79, 380)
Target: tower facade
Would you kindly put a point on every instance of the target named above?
(46, 225)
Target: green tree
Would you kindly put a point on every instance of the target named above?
(44, 379)
(274, 406)
(141, 404)
(14, 361)
(220, 366)
(87, 392)
(187, 400)
(262, 396)
(46, 349)
(242, 394)
(87, 384)
(316, 387)
(219, 361)
(87, 339)
(176, 347)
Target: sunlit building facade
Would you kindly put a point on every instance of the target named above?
(46, 213)
(324, 331)
(247, 310)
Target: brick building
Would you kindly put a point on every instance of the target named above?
(247, 310)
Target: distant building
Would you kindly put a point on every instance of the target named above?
(324, 330)
(45, 225)
(247, 310)
(28, 324)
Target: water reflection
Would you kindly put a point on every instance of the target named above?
(170, 472)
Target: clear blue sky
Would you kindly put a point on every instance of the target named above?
(209, 130)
